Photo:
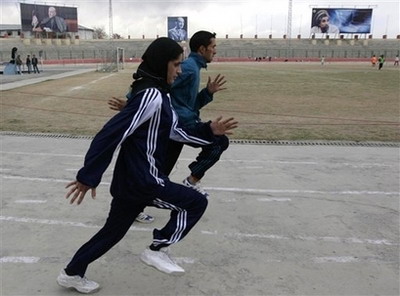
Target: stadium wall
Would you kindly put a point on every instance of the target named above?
(227, 50)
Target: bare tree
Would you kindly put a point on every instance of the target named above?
(99, 33)
(117, 36)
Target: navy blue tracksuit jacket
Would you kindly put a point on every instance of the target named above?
(141, 131)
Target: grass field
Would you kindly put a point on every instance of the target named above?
(272, 101)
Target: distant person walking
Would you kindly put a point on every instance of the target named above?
(396, 61)
(29, 64)
(35, 64)
(374, 60)
(381, 61)
(18, 63)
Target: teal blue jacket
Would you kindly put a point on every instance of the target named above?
(185, 96)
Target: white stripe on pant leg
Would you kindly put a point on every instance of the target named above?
(178, 234)
(180, 219)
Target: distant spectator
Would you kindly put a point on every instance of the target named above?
(381, 61)
(321, 23)
(13, 55)
(18, 63)
(29, 64)
(35, 64)
(322, 60)
(396, 61)
(53, 23)
(373, 60)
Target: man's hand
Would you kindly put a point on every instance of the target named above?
(216, 84)
(78, 191)
(116, 104)
(221, 126)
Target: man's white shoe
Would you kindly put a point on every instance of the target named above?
(81, 284)
(161, 261)
(144, 218)
(195, 187)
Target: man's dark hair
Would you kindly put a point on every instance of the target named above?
(200, 38)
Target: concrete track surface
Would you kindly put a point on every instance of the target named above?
(282, 220)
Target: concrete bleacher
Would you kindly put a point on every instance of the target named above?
(81, 50)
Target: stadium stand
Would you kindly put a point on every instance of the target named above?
(70, 51)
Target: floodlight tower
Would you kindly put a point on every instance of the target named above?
(289, 20)
(110, 20)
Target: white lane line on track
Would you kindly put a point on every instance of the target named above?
(295, 191)
(10, 259)
(43, 154)
(332, 239)
(233, 189)
(62, 223)
(249, 161)
(283, 199)
(30, 201)
(234, 235)
(32, 259)
(188, 260)
(336, 259)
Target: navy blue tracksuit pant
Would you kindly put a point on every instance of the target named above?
(208, 156)
(186, 206)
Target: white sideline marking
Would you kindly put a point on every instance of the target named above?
(19, 260)
(92, 82)
(233, 189)
(30, 201)
(101, 78)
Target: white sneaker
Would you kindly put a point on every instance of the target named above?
(195, 187)
(144, 218)
(161, 261)
(81, 284)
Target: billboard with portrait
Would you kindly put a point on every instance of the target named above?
(177, 28)
(47, 18)
(341, 20)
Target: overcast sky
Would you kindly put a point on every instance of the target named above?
(262, 17)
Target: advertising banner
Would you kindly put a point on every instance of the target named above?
(177, 28)
(47, 18)
(341, 20)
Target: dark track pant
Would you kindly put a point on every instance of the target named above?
(208, 156)
(186, 206)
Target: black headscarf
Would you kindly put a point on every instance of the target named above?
(152, 72)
